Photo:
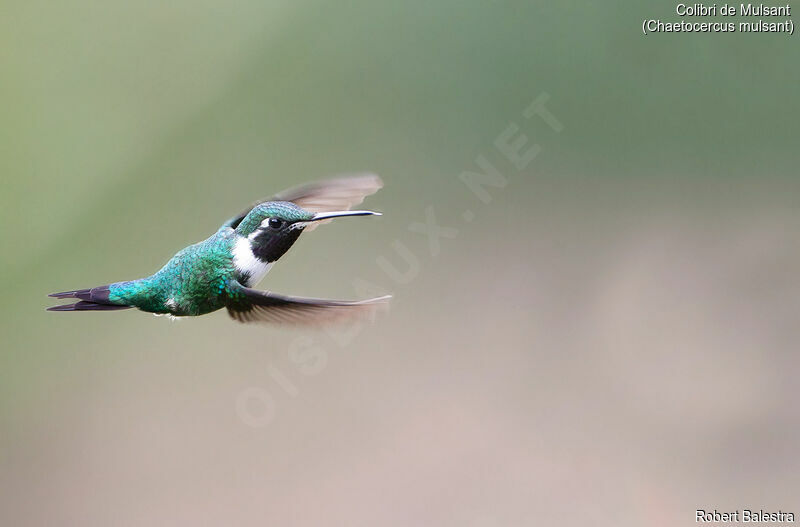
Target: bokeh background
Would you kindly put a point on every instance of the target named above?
(612, 339)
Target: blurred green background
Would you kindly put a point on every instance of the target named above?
(612, 339)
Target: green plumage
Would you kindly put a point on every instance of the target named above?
(279, 209)
(194, 282)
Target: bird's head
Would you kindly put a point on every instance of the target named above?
(273, 226)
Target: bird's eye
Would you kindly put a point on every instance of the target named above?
(275, 223)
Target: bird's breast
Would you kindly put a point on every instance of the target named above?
(248, 264)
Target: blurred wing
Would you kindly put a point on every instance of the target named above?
(252, 305)
(332, 194)
(328, 195)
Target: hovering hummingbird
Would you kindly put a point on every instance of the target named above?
(221, 270)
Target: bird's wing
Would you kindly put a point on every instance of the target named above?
(252, 305)
(327, 195)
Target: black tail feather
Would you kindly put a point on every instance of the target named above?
(70, 294)
(94, 299)
(87, 306)
(98, 295)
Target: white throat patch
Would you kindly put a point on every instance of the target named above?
(246, 262)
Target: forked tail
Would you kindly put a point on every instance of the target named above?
(94, 299)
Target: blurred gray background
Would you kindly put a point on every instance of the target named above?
(611, 339)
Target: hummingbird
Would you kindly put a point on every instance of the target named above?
(222, 270)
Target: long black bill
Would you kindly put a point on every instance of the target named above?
(338, 214)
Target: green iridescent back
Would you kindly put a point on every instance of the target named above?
(194, 282)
